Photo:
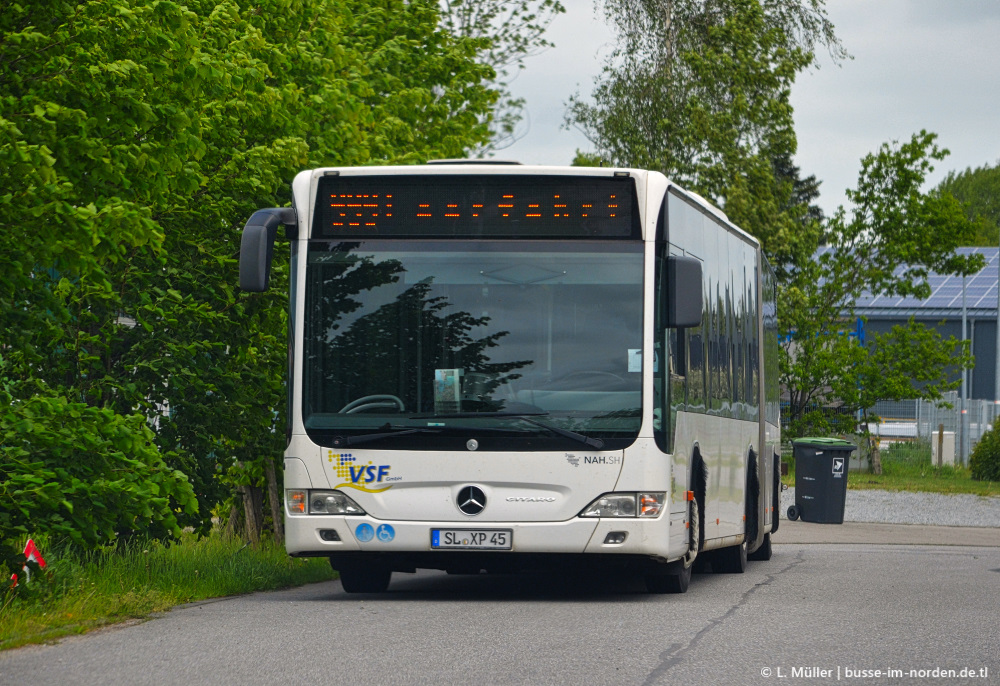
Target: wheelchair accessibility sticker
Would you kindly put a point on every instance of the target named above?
(364, 532)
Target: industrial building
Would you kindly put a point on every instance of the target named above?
(952, 298)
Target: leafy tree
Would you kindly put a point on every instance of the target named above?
(427, 88)
(803, 191)
(90, 143)
(509, 31)
(908, 361)
(896, 236)
(136, 137)
(699, 89)
(979, 191)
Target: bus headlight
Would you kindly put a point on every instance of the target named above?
(626, 505)
(332, 503)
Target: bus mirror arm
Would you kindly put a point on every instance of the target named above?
(684, 291)
(257, 245)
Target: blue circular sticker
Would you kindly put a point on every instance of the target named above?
(364, 532)
(385, 533)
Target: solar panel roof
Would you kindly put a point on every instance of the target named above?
(946, 290)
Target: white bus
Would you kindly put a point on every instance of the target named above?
(501, 367)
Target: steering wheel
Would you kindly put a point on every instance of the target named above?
(371, 401)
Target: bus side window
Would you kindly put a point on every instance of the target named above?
(677, 369)
(696, 381)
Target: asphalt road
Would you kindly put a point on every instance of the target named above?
(812, 607)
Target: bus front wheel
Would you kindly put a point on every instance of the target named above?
(669, 583)
(365, 579)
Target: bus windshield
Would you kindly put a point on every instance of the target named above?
(425, 345)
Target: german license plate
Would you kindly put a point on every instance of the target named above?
(472, 539)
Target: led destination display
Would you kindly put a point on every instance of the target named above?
(471, 206)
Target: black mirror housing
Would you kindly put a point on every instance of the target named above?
(257, 246)
(684, 292)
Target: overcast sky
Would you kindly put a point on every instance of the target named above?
(918, 64)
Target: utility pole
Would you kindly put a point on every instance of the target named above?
(996, 351)
(962, 429)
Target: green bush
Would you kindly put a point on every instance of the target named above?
(985, 459)
(81, 474)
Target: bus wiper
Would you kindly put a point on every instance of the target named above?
(523, 416)
(393, 431)
(344, 441)
(476, 415)
(593, 442)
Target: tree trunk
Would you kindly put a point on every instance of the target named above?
(668, 17)
(234, 524)
(874, 460)
(274, 498)
(253, 509)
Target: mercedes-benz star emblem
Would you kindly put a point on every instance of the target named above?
(471, 500)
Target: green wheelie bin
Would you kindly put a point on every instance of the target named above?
(820, 479)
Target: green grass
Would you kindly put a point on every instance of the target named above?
(897, 476)
(77, 593)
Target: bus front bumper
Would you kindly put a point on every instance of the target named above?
(335, 535)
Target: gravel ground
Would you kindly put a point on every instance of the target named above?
(903, 507)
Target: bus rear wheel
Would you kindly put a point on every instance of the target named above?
(732, 560)
(364, 579)
(764, 552)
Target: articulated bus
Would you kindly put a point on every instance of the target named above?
(497, 367)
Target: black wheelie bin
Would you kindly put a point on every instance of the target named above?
(820, 479)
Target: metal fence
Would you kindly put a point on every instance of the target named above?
(907, 420)
(922, 419)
